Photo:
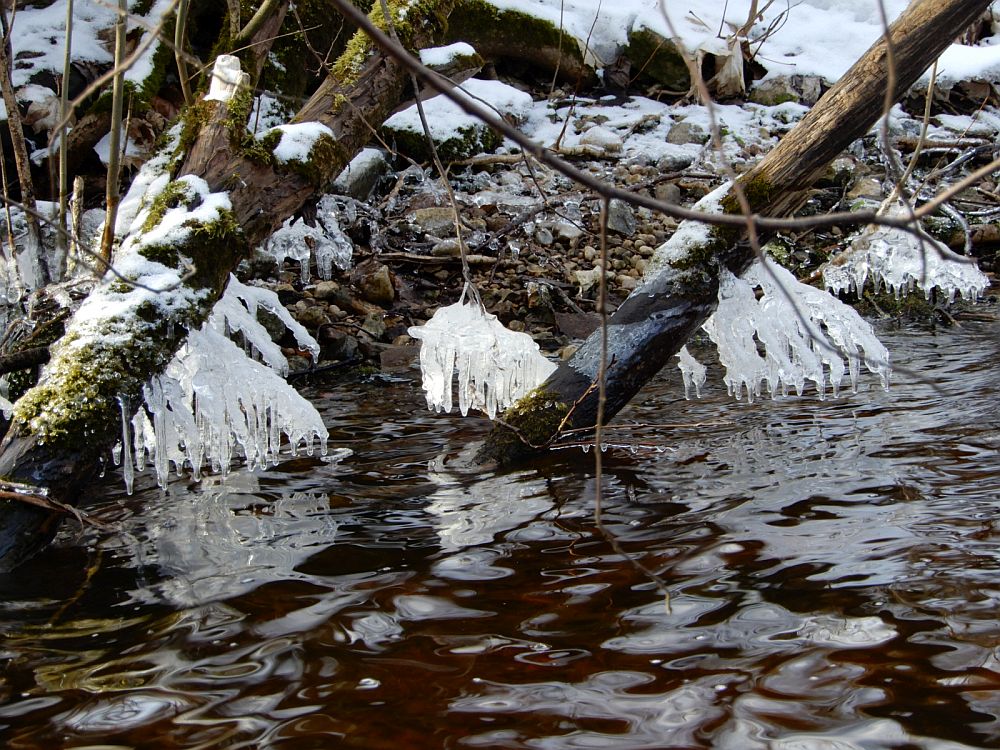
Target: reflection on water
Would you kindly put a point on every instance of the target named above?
(834, 572)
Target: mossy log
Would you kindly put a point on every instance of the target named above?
(65, 425)
(678, 295)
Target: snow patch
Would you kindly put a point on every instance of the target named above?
(438, 57)
(297, 140)
(447, 120)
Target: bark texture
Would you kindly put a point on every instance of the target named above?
(657, 319)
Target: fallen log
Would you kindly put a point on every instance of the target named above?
(678, 296)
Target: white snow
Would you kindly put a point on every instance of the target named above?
(437, 57)
(297, 140)
(806, 333)
(446, 120)
(901, 261)
(495, 366)
(214, 403)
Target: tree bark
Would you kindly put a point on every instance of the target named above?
(671, 304)
(64, 425)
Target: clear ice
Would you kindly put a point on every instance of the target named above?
(326, 243)
(901, 261)
(806, 335)
(693, 372)
(495, 366)
(214, 402)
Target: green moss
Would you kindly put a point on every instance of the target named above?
(529, 38)
(657, 57)
(174, 194)
(194, 118)
(535, 420)
(316, 169)
(469, 141)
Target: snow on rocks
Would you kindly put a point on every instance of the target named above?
(457, 134)
(495, 366)
(297, 140)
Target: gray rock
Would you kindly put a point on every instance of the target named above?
(374, 325)
(436, 220)
(359, 177)
(683, 133)
(377, 286)
(621, 218)
(325, 291)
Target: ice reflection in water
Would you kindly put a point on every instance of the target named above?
(834, 572)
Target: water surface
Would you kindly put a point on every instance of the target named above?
(833, 572)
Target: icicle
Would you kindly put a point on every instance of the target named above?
(128, 470)
(692, 371)
(213, 401)
(901, 261)
(807, 334)
(494, 366)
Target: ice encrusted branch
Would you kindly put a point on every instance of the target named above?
(214, 402)
(902, 261)
(806, 335)
(494, 366)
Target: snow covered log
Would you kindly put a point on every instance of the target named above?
(680, 290)
(222, 192)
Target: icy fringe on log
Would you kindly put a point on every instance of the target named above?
(214, 402)
(326, 243)
(901, 261)
(495, 366)
(807, 335)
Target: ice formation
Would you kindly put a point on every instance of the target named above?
(806, 335)
(902, 261)
(326, 242)
(495, 366)
(213, 402)
(692, 371)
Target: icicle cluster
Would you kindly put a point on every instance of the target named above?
(214, 402)
(901, 261)
(495, 366)
(806, 334)
(326, 243)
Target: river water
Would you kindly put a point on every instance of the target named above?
(833, 572)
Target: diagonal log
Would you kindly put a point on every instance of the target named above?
(675, 299)
(65, 425)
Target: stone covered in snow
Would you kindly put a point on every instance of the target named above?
(456, 134)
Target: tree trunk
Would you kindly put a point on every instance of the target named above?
(64, 425)
(673, 302)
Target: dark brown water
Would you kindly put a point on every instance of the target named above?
(834, 570)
